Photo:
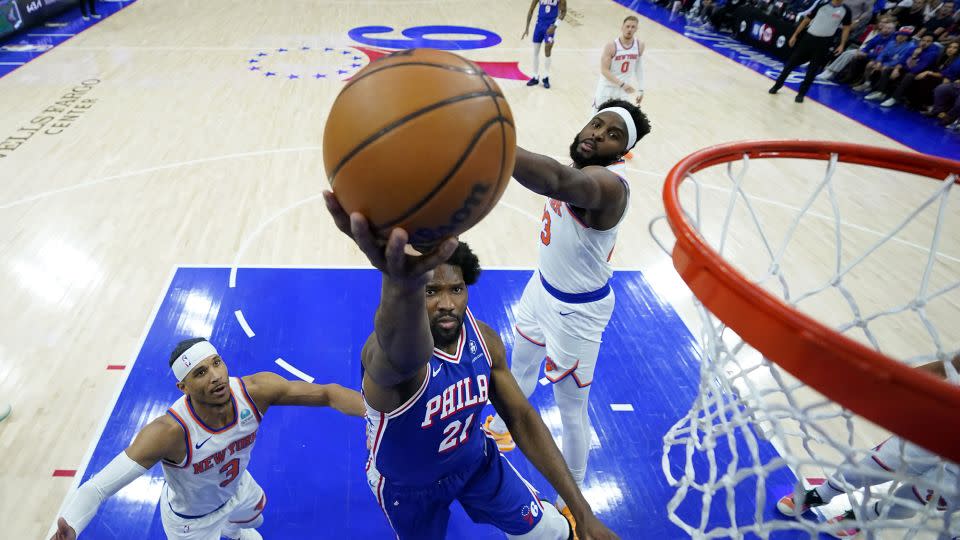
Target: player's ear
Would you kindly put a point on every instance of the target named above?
(182, 387)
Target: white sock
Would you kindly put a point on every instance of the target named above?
(572, 402)
(546, 66)
(525, 367)
(866, 473)
(536, 60)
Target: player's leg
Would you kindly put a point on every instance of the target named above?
(547, 51)
(499, 496)
(414, 513)
(539, 33)
(247, 516)
(893, 454)
(526, 356)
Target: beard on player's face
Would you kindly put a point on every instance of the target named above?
(598, 156)
(444, 337)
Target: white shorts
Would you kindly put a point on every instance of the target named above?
(935, 474)
(244, 507)
(605, 93)
(571, 333)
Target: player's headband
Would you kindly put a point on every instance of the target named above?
(628, 120)
(185, 363)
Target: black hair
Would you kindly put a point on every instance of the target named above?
(182, 348)
(468, 263)
(639, 119)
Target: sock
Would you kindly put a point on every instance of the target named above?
(525, 367)
(829, 489)
(546, 66)
(536, 60)
(572, 402)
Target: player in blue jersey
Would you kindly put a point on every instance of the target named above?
(429, 369)
(549, 15)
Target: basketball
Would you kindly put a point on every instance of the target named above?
(420, 139)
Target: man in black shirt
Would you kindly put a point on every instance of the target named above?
(814, 46)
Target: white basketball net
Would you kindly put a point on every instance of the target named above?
(744, 397)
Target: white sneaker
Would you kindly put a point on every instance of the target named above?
(825, 75)
(862, 87)
(250, 534)
(889, 102)
(875, 96)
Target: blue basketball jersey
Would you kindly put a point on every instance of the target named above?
(437, 431)
(549, 10)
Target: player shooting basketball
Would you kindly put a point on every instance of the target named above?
(429, 369)
(568, 301)
(204, 444)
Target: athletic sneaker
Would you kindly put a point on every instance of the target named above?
(565, 511)
(788, 507)
(862, 87)
(875, 96)
(248, 534)
(889, 102)
(843, 533)
(533, 81)
(504, 440)
(546, 82)
(97, 16)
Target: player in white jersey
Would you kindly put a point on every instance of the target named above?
(204, 443)
(568, 301)
(621, 67)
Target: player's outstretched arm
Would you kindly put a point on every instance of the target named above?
(591, 188)
(401, 344)
(939, 368)
(534, 439)
(162, 438)
(267, 389)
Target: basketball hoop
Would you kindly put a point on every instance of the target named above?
(854, 377)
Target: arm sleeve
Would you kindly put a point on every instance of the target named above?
(82, 505)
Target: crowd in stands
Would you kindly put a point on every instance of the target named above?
(902, 53)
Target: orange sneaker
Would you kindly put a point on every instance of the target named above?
(504, 440)
(573, 523)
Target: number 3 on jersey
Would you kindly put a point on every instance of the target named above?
(545, 233)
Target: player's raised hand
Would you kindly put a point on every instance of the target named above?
(64, 531)
(591, 528)
(388, 256)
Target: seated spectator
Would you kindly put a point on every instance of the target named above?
(946, 97)
(862, 12)
(851, 61)
(912, 15)
(894, 54)
(921, 57)
(941, 22)
(917, 88)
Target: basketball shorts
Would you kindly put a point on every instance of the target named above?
(570, 333)
(895, 454)
(492, 492)
(606, 92)
(540, 33)
(244, 507)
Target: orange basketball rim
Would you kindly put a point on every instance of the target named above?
(908, 402)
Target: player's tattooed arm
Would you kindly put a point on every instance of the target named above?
(534, 439)
(590, 188)
(268, 389)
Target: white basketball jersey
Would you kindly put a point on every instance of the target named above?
(573, 257)
(207, 477)
(623, 65)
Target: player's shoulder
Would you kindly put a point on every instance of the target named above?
(163, 431)
(492, 338)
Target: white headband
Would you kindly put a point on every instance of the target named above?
(185, 363)
(628, 120)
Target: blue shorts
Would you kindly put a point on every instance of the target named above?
(540, 33)
(493, 492)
